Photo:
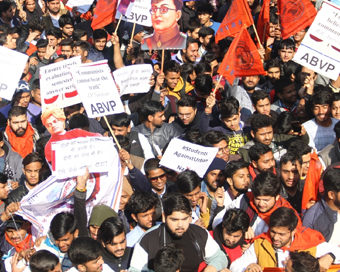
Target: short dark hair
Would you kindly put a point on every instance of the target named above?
(37, 25)
(66, 42)
(292, 157)
(233, 166)
(204, 84)
(63, 223)
(3, 178)
(208, 57)
(43, 261)
(78, 33)
(187, 101)
(16, 111)
(273, 17)
(337, 129)
(303, 262)
(141, 202)
(300, 147)
(187, 181)
(191, 40)
(168, 259)
(65, 20)
(284, 122)
(322, 97)
(32, 157)
(205, 31)
(36, 84)
(3, 36)
(331, 181)
(176, 202)
(193, 24)
(258, 95)
(120, 120)
(266, 184)
(205, 7)
(259, 121)
(42, 43)
(336, 97)
(235, 220)
(287, 44)
(171, 66)
(56, 32)
(271, 63)
(78, 120)
(110, 228)
(151, 107)
(229, 107)
(258, 150)
(83, 250)
(282, 83)
(4, 6)
(283, 217)
(214, 137)
(99, 34)
(85, 46)
(202, 67)
(151, 164)
(193, 136)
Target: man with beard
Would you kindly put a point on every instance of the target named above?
(113, 237)
(259, 204)
(261, 158)
(321, 128)
(142, 206)
(290, 175)
(285, 90)
(189, 54)
(154, 129)
(207, 39)
(243, 95)
(285, 235)
(19, 132)
(197, 244)
(273, 69)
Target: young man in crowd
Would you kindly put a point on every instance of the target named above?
(81, 48)
(189, 54)
(66, 47)
(169, 258)
(261, 159)
(288, 100)
(273, 69)
(66, 24)
(206, 38)
(205, 13)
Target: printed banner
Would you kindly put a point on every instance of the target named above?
(137, 11)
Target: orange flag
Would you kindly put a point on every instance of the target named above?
(238, 14)
(311, 188)
(104, 14)
(263, 21)
(242, 58)
(295, 15)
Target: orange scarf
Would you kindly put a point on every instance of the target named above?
(253, 173)
(22, 145)
(281, 202)
(304, 238)
(24, 244)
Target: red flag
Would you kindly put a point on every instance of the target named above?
(263, 21)
(104, 14)
(238, 14)
(295, 15)
(242, 58)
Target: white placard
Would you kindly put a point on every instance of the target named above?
(56, 84)
(82, 5)
(97, 90)
(133, 78)
(12, 64)
(320, 48)
(137, 12)
(72, 156)
(181, 155)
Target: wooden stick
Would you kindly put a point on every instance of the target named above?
(113, 135)
(218, 82)
(257, 36)
(162, 61)
(264, 34)
(118, 24)
(133, 33)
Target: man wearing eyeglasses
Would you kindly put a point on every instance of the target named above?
(164, 16)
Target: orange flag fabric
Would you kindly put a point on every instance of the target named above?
(104, 14)
(295, 15)
(242, 58)
(263, 21)
(311, 188)
(238, 14)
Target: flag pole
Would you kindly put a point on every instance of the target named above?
(118, 23)
(257, 36)
(113, 135)
(264, 34)
(162, 61)
(218, 82)
(133, 32)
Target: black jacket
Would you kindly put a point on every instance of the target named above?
(118, 264)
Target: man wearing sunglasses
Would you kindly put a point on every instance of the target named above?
(164, 16)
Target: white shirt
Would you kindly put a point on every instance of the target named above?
(335, 238)
(133, 236)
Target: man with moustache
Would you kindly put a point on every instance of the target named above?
(321, 128)
(261, 158)
(285, 90)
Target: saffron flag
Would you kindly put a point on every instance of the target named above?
(311, 188)
(238, 14)
(263, 21)
(104, 14)
(242, 58)
(295, 15)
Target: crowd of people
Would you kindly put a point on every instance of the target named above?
(270, 197)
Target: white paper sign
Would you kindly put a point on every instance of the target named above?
(12, 64)
(72, 156)
(181, 155)
(137, 12)
(56, 84)
(320, 48)
(82, 5)
(133, 78)
(97, 90)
